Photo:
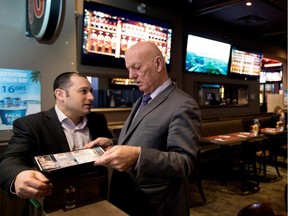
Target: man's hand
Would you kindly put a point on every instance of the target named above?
(104, 142)
(32, 184)
(119, 157)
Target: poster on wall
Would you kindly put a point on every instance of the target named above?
(19, 95)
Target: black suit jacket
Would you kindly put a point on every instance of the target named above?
(39, 134)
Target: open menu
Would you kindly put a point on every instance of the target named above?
(51, 162)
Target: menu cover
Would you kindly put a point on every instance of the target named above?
(52, 162)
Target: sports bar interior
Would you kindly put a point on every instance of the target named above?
(230, 178)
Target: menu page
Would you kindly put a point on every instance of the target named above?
(62, 160)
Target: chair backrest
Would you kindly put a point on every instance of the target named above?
(257, 209)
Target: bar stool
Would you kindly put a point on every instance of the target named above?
(257, 209)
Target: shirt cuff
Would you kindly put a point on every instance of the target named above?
(12, 188)
(138, 161)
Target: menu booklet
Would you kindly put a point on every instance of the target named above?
(51, 162)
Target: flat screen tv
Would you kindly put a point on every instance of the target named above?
(206, 56)
(266, 76)
(245, 64)
(108, 31)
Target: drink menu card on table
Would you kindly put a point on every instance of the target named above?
(272, 131)
(223, 139)
(48, 163)
(247, 135)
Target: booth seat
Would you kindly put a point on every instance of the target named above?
(217, 128)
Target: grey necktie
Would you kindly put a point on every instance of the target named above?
(145, 100)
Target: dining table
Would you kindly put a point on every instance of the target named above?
(272, 131)
(229, 144)
(235, 138)
(224, 139)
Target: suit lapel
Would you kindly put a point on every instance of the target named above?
(56, 130)
(152, 105)
(129, 120)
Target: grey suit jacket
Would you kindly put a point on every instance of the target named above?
(39, 134)
(168, 130)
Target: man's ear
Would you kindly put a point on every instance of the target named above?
(158, 63)
(59, 94)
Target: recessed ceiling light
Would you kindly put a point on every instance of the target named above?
(141, 8)
(248, 3)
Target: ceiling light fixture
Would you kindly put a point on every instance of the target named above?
(141, 8)
(248, 3)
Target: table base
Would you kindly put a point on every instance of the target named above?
(242, 188)
(269, 178)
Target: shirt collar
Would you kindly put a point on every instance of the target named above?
(160, 88)
(63, 118)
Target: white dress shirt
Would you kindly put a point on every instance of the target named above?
(77, 135)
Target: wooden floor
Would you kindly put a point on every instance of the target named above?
(224, 199)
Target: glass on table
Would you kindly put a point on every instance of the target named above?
(280, 126)
(254, 129)
(70, 196)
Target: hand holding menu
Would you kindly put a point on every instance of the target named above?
(47, 163)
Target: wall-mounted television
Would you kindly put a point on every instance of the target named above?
(108, 31)
(245, 64)
(266, 76)
(206, 56)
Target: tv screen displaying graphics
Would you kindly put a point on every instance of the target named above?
(20, 95)
(107, 32)
(245, 64)
(206, 56)
(270, 76)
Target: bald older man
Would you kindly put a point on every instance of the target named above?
(158, 144)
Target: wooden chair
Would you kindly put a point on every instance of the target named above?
(281, 151)
(196, 177)
(239, 162)
(268, 154)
